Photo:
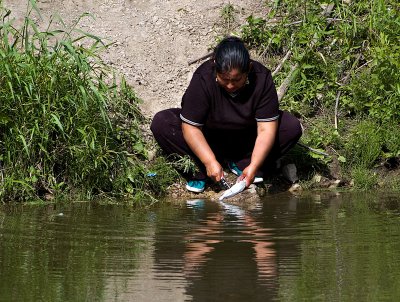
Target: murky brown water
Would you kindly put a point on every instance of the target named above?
(329, 247)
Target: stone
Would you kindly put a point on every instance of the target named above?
(289, 172)
(335, 184)
(295, 188)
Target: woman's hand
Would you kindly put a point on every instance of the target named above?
(266, 133)
(214, 170)
(194, 137)
(249, 173)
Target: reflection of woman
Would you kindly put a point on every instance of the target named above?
(229, 113)
(228, 255)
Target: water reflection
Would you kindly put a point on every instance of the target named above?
(226, 251)
(329, 247)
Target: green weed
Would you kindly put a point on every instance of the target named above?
(364, 145)
(318, 135)
(228, 16)
(68, 124)
(364, 179)
(391, 138)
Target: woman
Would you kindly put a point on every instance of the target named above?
(229, 114)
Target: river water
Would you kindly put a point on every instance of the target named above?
(314, 247)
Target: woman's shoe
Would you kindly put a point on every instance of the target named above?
(196, 186)
(235, 170)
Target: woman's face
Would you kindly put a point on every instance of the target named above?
(232, 80)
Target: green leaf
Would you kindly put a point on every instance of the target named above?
(130, 177)
(25, 144)
(4, 119)
(56, 120)
(139, 148)
(25, 184)
(307, 66)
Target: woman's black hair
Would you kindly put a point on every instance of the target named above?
(231, 53)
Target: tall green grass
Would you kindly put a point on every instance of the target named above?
(68, 125)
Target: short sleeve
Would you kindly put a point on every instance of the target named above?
(195, 102)
(267, 108)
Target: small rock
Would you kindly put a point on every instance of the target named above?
(252, 189)
(48, 196)
(335, 184)
(295, 188)
(289, 171)
(317, 178)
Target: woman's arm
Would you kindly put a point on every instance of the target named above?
(266, 133)
(194, 137)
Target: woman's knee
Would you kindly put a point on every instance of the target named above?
(163, 121)
(296, 128)
(292, 126)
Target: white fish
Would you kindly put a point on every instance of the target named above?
(235, 189)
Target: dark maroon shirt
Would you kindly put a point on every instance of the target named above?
(207, 104)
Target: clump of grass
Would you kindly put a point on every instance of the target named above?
(364, 144)
(228, 16)
(364, 179)
(391, 139)
(67, 123)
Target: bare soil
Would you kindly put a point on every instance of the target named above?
(153, 39)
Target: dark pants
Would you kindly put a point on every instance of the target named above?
(232, 145)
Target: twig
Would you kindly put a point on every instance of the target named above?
(313, 150)
(336, 19)
(336, 108)
(363, 65)
(279, 67)
(286, 82)
(293, 23)
(206, 56)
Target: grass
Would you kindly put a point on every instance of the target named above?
(68, 124)
(363, 178)
(228, 17)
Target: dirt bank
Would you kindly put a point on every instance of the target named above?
(154, 39)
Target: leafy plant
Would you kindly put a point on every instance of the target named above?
(346, 68)
(358, 40)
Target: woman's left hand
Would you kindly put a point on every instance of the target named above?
(249, 173)
(266, 132)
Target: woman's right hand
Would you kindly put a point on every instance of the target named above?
(194, 137)
(214, 170)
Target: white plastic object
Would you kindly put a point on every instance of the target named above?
(235, 189)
